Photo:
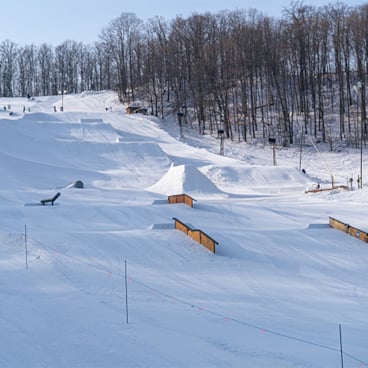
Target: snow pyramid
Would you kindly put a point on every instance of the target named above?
(185, 179)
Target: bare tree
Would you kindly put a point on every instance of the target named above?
(120, 40)
(44, 65)
(26, 80)
(8, 54)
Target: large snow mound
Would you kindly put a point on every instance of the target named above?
(268, 179)
(185, 179)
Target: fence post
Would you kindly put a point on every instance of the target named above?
(25, 245)
(341, 352)
(126, 293)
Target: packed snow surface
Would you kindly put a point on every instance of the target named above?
(103, 279)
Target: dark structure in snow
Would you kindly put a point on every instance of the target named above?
(77, 184)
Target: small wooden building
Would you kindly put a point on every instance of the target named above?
(136, 109)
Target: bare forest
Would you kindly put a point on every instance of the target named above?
(249, 75)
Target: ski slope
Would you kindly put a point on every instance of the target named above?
(102, 278)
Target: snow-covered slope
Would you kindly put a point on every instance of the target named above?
(273, 295)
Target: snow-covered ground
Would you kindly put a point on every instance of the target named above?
(102, 278)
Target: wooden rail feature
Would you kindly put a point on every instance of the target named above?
(181, 198)
(339, 187)
(358, 234)
(346, 228)
(338, 225)
(197, 235)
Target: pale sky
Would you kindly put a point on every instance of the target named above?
(38, 21)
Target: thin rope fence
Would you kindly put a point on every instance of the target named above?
(57, 255)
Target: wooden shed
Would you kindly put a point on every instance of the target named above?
(136, 109)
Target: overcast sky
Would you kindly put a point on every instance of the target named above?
(52, 22)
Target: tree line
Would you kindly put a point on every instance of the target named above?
(242, 73)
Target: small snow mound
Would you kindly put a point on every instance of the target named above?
(185, 179)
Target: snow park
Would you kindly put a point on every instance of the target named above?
(102, 257)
